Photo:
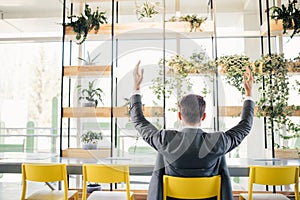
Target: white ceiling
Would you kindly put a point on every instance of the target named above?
(31, 8)
(21, 17)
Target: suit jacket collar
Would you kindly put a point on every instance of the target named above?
(192, 130)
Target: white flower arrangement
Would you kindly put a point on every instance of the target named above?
(147, 10)
(91, 137)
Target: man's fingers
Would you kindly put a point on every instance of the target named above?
(245, 78)
(137, 65)
(248, 74)
(136, 69)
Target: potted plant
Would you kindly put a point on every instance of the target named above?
(194, 20)
(290, 16)
(147, 11)
(89, 60)
(90, 94)
(90, 139)
(86, 22)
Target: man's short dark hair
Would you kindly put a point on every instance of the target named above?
(192, 107)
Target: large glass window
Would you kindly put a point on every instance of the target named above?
(29, 97)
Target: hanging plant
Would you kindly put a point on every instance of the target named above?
(272, 73)
(290, 16)
(178, 68)
(273, 103)
(295, 67)
(86, 22)
(203, 64)
(233, 67)
(195, 21)
(176, 82)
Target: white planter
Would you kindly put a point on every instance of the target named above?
(93, 187)
(89, 104)
(89, 146)
(147, 19)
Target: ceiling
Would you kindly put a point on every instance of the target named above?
(26, 17)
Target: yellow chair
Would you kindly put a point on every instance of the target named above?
(272, 175)
(46, 173)
(100, 173)
(191, 188)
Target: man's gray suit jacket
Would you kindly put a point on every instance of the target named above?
(190, 152)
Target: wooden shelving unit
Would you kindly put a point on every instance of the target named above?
(84, 112)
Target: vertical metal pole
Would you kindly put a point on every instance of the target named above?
(270, 81)
(164, 63)
(112, 79)
(216, 82)
(263, 82)
(116, 80)
(62, 78)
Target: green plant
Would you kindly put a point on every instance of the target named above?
(203, 64)
(91, 137)
(147, 10)
(177, 82)
(273, 103)
(234, 66)
(85, 22)
(272, 74)
(195, 21)
(296, 64)
(91, 94)
(290, 16)
(297, 58)
(89, 60)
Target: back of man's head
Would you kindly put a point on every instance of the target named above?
(192, 107)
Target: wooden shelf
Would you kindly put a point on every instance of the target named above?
(283, 153)
(235, 111)
(90, 153)
(76, 112)
(148, 29)
(87, 70)
(292, 67)
(83, 112)
(93, 1)
(276, 28)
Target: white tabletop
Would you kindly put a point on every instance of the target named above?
(139, 165)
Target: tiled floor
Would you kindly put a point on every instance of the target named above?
(11, 187)
(10, 191)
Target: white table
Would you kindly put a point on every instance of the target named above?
(139, 165)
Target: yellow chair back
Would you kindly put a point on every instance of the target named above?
(191, 188)
(100, 173)
(45, 173)
(274, 175)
